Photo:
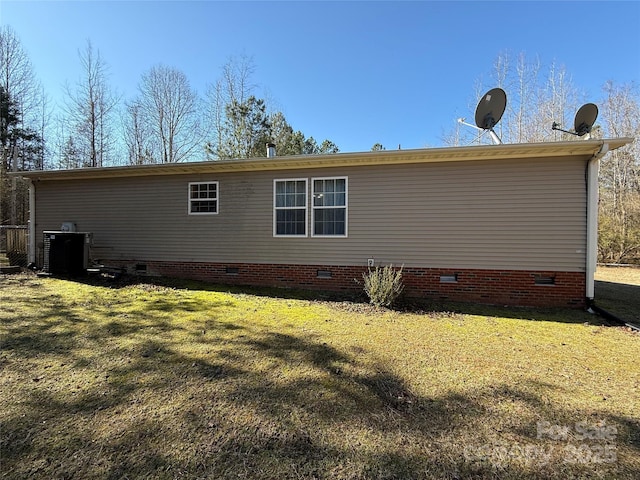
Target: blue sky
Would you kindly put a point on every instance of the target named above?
(354, 72)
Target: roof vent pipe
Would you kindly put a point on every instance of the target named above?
(271, 150)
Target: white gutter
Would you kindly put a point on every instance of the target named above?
(593, 167)
(31, 254)
(514, 151)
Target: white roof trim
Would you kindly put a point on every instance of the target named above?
(586, 148)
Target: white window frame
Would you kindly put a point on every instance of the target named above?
(216, 199)
(306, 208)
(346, 207)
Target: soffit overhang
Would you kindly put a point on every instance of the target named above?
(514, 152)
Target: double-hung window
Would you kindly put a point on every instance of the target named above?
(290, 207)
(203, 198)
(329, 214)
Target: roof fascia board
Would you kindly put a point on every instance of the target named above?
(585, 148)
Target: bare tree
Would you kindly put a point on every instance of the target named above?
(522, 126)
(43, 126)
(536, 97)
(556, 102)
(214, 117)
(170, 109)
(137, 135)
(90, 109)
(16, 73)
(234, 87)
(237, 76)
(620, 177)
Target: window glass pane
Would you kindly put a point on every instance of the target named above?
(329, 186)
(318, 187)
(329, 199)
(206, 206)
(281, 194)
(329, 192)
(329, 221)
(291, 193)
(203, 190)
(290, 222)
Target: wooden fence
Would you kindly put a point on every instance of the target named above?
(13, 244)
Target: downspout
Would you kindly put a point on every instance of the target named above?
(31, 254)
(593, 167)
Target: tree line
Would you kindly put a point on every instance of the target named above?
(168, 121)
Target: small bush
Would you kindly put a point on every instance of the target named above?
(383, 285)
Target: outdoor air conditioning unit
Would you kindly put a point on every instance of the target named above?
(66, 253)
(68, 227)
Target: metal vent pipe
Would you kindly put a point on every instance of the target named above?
(271, 150)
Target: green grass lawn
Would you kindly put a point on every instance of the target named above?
(195, 381)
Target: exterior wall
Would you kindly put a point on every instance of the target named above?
(485, 214)
(524, 215)
(498, 287)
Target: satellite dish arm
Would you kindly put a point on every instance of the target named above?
(556, 126)
(461, 120)
(492, 134)
(494, 137)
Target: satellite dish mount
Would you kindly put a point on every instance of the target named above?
(583, 123)
(489, 111)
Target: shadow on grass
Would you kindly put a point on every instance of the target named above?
(125, 281)
(358, 300)
(413, 435)
(115, 404)
(623, 300)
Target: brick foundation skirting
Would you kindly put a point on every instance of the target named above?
(496, 287)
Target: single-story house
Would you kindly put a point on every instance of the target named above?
(512, 224)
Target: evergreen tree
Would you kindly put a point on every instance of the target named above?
(20, 149)
(247, 129)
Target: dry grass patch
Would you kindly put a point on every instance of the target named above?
(148, 381)
(623, 275)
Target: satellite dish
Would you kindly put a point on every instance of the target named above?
(489, 112)
(585, 118)
(490, 108)
(583, 123)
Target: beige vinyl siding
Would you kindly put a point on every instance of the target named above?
(502, 214)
